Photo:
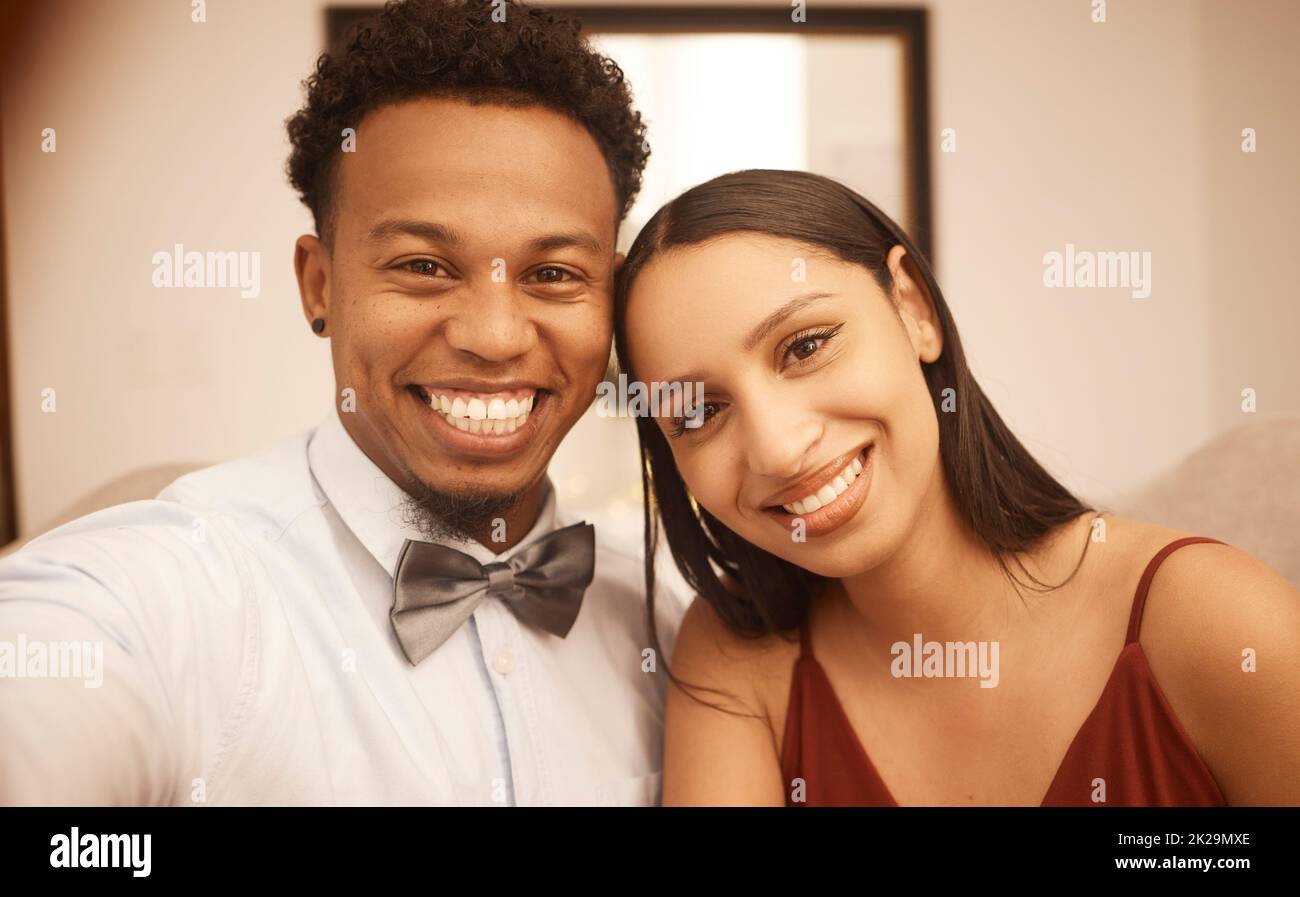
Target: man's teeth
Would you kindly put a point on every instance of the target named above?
(828, 493)
(492, 417)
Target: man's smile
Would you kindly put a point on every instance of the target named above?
(481, 418)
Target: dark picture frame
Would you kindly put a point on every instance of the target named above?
(8, 485)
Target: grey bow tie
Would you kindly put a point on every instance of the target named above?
(436, 588)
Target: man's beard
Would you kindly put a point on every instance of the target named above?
(460, 516)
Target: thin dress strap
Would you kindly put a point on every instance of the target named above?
(1144, 584)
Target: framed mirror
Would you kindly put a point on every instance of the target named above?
(844, 94)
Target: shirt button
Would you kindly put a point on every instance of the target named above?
(504, 662)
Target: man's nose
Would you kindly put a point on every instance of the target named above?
(491, 322)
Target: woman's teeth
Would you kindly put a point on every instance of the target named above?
(486, 417)
(828, 493)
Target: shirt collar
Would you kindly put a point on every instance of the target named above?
(371, 505)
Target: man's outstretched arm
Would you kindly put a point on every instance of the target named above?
(114, 651)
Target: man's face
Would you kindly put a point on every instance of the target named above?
(468, 291)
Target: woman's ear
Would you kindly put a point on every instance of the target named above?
(915, 307)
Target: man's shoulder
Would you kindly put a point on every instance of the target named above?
(223, 504)
(620, 548)
(266, 489)
(620, 567)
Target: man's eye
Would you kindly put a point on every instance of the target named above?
(423, 267)
(553, 274)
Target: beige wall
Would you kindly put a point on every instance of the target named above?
(168, 132)
(1250, 78)
(1117, 136)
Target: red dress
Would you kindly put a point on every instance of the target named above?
(1132, 739)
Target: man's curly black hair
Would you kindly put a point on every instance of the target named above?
(417, 48)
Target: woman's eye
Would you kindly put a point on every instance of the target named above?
(695, 422)
(805, 347)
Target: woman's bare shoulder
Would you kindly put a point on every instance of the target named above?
(710, 652)
(718, 745)
(1218, 630)
(1112, 551)
(1127, 547)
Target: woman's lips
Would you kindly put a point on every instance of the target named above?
(836, 513)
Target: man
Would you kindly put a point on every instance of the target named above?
(390, 609)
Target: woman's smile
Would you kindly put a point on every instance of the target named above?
(830, 498)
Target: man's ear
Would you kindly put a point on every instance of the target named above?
(619, 259)
(915, 307)
(311, 262)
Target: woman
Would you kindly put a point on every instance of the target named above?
(897, 604)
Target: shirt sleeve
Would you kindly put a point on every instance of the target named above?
(124, 648)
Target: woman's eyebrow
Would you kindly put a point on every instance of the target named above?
(772, 321)
(764, 327)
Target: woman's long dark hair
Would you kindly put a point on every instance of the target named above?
(1005, 496)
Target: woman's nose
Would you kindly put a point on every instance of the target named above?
(778, 438)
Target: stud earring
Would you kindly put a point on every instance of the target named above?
(318, 325)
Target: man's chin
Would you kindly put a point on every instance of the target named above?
(462, 515)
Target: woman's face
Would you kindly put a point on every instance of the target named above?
(819, 441)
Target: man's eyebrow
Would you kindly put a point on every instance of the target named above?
(772, 321)
(428, 230)
(441, 233)
(577, 239)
